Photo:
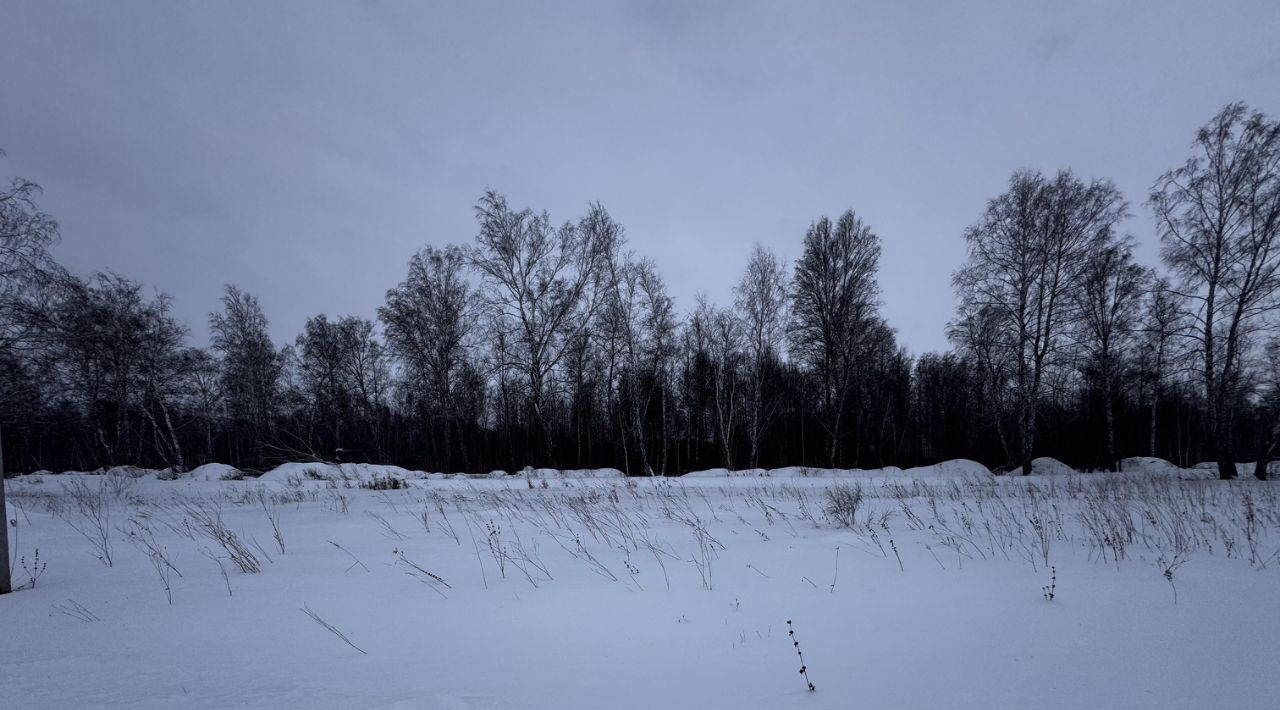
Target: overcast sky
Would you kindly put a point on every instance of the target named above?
(304, 150)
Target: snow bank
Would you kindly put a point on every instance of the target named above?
(1243, 470)
(1149, 465)
(710, 473)
(572, 473)
(784, 472)
(1205, 470)
(337, 472)
(793, 472)
(126, 471)
(131, 472)
(302, 471)
(956, 468)
(1152, 466)
(214, 472)
(1049, 466)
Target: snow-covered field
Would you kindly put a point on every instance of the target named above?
(923, 588)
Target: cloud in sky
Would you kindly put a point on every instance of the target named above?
(304, 150)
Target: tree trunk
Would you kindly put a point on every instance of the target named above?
(637, 424)
(626, 455)
(757, 402)
(173, 438)
(1264, 456)
(1260, 468)
(1151, 446)
(724, 419)
(1226, 468)
(1110, 417)
(208, 440)
(1026, 437)
(665, 430)
(1223, 442)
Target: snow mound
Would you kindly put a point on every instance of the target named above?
(303, 471)
(1152, 466)
(709, 473)
(131, 472)
(794, 472)
(214, 472)
(955, 468)
(357, 472)
(573, 473)
(801, 472)
(124, 471)
(787, 472)
(1049, 466)
(1243, 469)
(1147, 464)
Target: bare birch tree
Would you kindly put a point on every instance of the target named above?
(1026, 255)
(1219, 222)
(1107, 303)
(762, 304)
(833, 305)
(430, 324)
(1161, 333)
(540, 289)
(251, 372)
(26, 234)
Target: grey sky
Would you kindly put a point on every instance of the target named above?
(304, 150)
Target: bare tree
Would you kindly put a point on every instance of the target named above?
(1269, 406)
(321, 369)
(162, 373)
(717, 334)
(251, 371)
(430, 321)
(979, 334)
(202, 391)
(540, 289)
(638, 331)
(832, 308)
(26, 234)
(1162, 329)
(1107, 303)
(658, 324)
(620, 335)
(120, 355)
(1025, 258)
(762, 304)
(1219, 222)
(343, 378)
(368, 367)
(696, 395)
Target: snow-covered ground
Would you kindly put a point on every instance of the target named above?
(594, 591)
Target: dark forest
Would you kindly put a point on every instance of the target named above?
(554, 344)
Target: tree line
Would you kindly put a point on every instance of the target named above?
(556, 345)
